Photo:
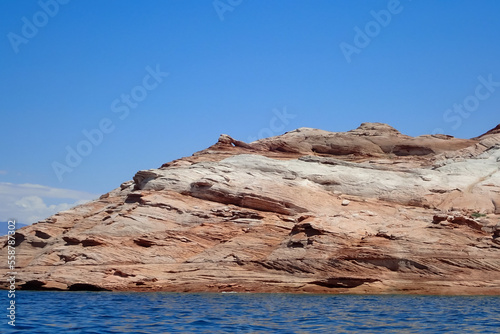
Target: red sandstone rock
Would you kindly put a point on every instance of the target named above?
(366, 211)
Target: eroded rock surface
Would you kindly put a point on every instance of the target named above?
(366, 211)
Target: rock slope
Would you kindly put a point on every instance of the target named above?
(366, 211)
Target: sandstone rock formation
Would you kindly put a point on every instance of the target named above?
(366, 211)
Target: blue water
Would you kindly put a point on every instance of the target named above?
(107, 312)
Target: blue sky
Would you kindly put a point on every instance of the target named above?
(153, 81)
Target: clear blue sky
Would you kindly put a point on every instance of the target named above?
(231, 68)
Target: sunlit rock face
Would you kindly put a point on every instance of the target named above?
(365, 211)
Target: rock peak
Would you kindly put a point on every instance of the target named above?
(495, 130)
(375, 129)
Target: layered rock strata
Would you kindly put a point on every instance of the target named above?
(366, 211)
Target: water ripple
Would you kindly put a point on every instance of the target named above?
(105, 312)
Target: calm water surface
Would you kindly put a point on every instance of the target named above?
(106, 312)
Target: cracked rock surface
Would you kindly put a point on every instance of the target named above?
(365, 211)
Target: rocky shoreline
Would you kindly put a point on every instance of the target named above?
(368, 211)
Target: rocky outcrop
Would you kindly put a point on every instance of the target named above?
(366, 211)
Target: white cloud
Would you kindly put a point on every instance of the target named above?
(29, 203)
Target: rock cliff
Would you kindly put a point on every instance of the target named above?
(365, 211)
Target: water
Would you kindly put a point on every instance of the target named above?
(107, 312)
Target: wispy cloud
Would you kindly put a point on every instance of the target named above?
(29, 203)
(3, 172)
